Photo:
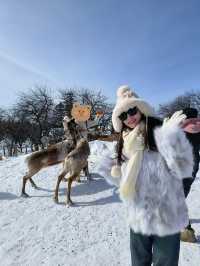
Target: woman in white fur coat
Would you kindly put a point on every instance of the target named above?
(152, 159)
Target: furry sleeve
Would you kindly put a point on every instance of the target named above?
(106, 163)
(175, 149)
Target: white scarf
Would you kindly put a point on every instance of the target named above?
(133, 150)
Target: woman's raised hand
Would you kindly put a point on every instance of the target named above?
(175, 120)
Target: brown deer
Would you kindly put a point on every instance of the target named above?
(74, 163)
(109, 138)
(53, 155)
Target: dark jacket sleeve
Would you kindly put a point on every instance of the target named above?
(194, 140)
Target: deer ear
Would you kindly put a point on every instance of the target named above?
(75, 105)
(89, 107)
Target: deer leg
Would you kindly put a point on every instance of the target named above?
(71, 179)
(25, 178)
(33, 183)
(64, 179)
(78, 179)
(60, 177)
(86, 172)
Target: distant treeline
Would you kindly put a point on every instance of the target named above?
(35, 121)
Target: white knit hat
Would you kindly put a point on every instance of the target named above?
(127, 99)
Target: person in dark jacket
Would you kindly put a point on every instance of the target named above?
(188, 234)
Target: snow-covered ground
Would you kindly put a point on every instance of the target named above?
(36, 231)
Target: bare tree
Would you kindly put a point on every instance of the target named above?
(96, 100)
(2, 116)
(36, 106)
(188, 99)
(15, 132)
(68, 97)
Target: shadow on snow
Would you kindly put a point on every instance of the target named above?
(85, 188)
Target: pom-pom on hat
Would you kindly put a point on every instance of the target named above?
(127, 99)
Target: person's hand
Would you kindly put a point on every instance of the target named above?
(191, 125)
(175, 120)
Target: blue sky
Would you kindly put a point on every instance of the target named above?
(152, 45)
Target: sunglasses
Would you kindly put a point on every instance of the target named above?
(132, 111)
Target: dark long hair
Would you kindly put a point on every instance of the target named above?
(149, 140)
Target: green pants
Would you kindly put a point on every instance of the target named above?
(161, 251)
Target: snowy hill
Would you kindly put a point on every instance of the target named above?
(36, 231)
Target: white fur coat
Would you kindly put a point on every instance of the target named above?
(158, 206)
